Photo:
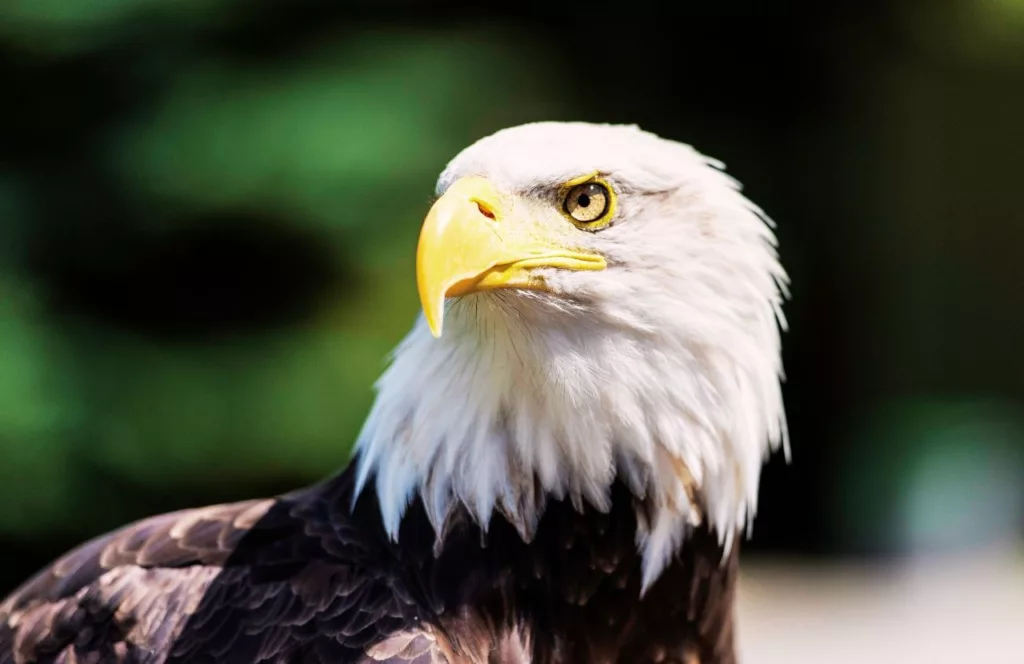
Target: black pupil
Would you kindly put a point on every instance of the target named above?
(583, 200)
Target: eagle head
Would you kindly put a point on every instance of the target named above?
(599, 304)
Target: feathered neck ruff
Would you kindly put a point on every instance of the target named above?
(531, 395)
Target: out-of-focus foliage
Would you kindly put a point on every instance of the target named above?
(932, 475)
(37, 419)
(66, 26)
(330, 137)
(986, 33)
(331, 152)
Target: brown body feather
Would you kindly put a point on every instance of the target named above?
(304, 579)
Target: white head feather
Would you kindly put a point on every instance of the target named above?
(662, 370)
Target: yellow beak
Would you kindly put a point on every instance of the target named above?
(474, 240)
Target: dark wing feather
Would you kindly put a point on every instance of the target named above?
(288, 580)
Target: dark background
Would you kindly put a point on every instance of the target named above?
(208, 213)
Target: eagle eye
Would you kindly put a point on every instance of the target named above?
(589, 204)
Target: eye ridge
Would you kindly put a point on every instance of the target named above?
(588, 203)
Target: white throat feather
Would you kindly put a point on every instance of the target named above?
(664, 373)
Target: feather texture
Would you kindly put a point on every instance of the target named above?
(282, 580)
(302, 580)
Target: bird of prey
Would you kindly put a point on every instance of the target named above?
(561, 459)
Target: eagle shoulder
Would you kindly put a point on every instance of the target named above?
(291, 579)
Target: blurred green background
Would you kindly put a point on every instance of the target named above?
(208, 212)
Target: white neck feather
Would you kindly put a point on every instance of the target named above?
(524, 398)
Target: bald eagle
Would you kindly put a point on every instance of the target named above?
(560, 460)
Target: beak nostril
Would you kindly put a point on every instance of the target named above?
(484, 209)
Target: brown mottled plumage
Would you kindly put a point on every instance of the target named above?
(301, 579)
